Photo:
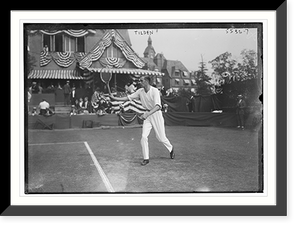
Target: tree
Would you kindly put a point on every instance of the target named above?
(248, 68)
(224, 66)
(235, 78)
(203, 80)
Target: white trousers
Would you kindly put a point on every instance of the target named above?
(156, 121)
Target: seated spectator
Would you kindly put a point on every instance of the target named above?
(95, 100)
(73, 110)
(81, 103)
(102, 105)
(165, 107)
(80, 106)
(130, 88)
(76, 104)
(43, 107)
(34, 111)
(86, 105)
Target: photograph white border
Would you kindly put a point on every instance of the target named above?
(18, 18)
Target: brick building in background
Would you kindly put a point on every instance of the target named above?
(176, 75)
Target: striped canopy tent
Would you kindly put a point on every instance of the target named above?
(63, 74)
(106, 74)
(135, 72)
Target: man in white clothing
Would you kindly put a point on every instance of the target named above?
(150, 99)
(43, 106)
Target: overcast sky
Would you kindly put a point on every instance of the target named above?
(187, 45)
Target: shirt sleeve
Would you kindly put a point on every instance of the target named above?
(156, 97)
(135, 95)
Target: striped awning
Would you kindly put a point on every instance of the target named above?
(55, 74)
(132, 71)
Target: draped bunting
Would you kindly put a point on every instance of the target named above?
(70, 32)
(109, 37)
(62, 59)
(132, 105)
(66, 59)
(45, 57)
(112, 62)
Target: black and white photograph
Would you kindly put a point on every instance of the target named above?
(143, 108)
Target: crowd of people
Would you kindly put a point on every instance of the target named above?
(83, 100)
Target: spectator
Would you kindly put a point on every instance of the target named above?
(130, 88)
(67, 92)
(29, 97)
(49, 89)
(86, 106)
(163, 91)
(240, 111)
(165, 107)
(34, 111)
(89, 92)
(73, 95)
(73, 110)
(95, 99)
(59, 94)
(81, 103)
(34, 89)
(80, 92)
(43, 107)
(40, 88)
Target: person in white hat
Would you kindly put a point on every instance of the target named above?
(150, 99)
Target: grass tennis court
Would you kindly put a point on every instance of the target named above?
(208, 159)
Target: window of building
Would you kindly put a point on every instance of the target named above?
(47, 41)
(63, 43)
(53, 42)
(177, 73)
(69, 44)
(186, 82)
(80, 44)
(177, 81)
(58, 43)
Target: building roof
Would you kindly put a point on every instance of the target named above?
(173, 65)
(150, 63)
(124, 33)
(111, 37)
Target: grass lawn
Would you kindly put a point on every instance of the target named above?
(208, 159)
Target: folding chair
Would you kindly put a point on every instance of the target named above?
(43, 125)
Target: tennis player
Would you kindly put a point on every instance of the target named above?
(150, 99)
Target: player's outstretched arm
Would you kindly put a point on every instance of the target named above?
(119, 98)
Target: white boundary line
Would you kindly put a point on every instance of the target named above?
(51, 143)
(96, 163)
(100, 170)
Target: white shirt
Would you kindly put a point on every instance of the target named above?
(148, 99)
(44, 105)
